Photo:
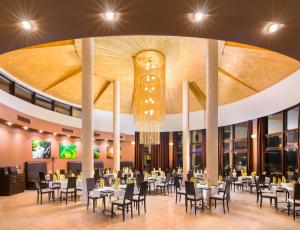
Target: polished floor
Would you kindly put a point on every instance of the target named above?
(21, 212)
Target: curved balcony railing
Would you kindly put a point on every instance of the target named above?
(20, 91)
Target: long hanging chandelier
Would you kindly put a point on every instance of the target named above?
(149, 95)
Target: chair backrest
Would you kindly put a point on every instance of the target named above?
(97, 175)
(227, 190)
(262, 179)
(168, 177)
(297, 192)
(143, 188)
(129, 192)
(119, 174)
(42, 176)
(189, 176)
(90, 184)
(190, 188)
(106, 181)
(176, 182)
(256, 185)
(139, 179)
(37, 185)
(71, 182)
(62, 171)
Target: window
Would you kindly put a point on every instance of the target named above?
(227, 132)
(275, 123)
(76, 112)
(62, 108)
(292, 118)
(273, 141)
(5, 84)
(240, 131)
(273, 162)
(197, 158)
(178, 145)
(23, 93)
(291, 153)
(147, 158)
(43, 102)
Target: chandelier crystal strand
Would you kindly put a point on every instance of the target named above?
(149, 95)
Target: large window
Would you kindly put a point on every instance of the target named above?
(147, 158)
(178, 146)
(197, 157)
(240, 146)
(23, 93)
(227, 143)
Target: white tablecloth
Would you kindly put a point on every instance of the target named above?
(284, 186)
(64, 184)
(116, 193)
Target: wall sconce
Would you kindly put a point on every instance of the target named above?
(253, 136)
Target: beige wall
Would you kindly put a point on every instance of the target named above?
(15, 148)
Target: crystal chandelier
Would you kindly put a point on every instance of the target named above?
(149, 95)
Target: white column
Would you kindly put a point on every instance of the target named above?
(87, 112)
(212, 110)
(116, 122)
(185, 129)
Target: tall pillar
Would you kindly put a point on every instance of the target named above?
(87, 112)
(185, 129)
(212, 110)
(116, 121)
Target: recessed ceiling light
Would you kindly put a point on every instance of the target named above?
(25, 127)
(9, 123)
(54, 134)
(110, 15)
(199, 16)
(41, 131)
(273, 27)
(26, 25)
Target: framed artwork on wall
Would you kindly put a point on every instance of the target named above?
(41, 149)
(67, 151)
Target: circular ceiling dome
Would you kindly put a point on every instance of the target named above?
(55, 69)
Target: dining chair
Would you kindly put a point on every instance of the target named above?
(192, 196)
(71, 189)
(41, 190)
(224, 197)
(178, 189)
(295, 201)
(164, 185)
(265, 193)
(125, 202)
(91, 184)
(141, 197)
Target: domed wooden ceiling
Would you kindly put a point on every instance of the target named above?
(55, 68)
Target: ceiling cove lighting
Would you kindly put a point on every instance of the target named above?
(25, 127)
(54, 134)
(110, 16)
(199, 16)
(9, 123)
(41, 131)
(273, 27)
(26, 25)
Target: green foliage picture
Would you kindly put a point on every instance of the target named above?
(96, 152)
(67, 151)
(41, 149)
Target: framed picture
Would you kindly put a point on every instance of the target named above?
(41, 149)
(67, 151)
(96, 152)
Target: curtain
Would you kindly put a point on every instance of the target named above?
(175, 149)
(138, 153)
(221, 151)
(298, 143)
(160, 153)
(250, 146)
(261, 131)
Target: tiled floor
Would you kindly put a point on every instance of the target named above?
(21, 212)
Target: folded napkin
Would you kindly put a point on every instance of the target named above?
(283, 180)
(220, 178)
(274, 180)
(279, 183)
(116, 184)
(209, 183)
(101, 183)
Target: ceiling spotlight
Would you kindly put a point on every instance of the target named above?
(273, 27)
(110, 16)
(25, 127)
(69, 136)
(9, 123)
(41, 131)
(54, 134)
(26, 25)
(199, 16)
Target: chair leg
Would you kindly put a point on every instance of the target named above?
(224, 206)
(227, 205)
(132, 210)
(179, 197)
(112, 211)
(123, 212)
(209, 204)
(88, 203)
(176, 198)
(261, 201)
(294, 211)
(276, 204)
(37, 197)
(289, 206)
(195, 207)
(41, 198)
(138, 206)
(145, 205)
(186, 205)
(94, 204)
(66, 198)
(215, 203)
